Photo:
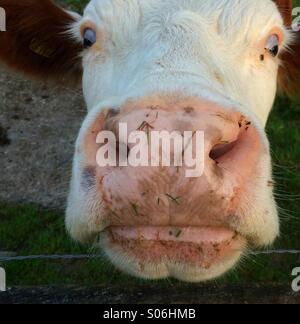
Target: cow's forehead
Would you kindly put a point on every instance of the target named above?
(227, 16)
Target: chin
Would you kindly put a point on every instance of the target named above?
(187, 254)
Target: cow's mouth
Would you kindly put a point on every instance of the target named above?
(141, 248)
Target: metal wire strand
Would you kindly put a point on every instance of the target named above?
(99, 256)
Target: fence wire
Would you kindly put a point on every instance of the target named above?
(99, 256)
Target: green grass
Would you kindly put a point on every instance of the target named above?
(77, 5)
(32, 230)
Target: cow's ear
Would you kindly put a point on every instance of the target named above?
(289, 71)
(36, 41)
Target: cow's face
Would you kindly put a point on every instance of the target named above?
(212, 50)
(179, 66)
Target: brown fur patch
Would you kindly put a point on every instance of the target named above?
(36, 42)
(285, 7)
(289, 72)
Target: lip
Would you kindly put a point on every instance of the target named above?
(195, 235)
(199, 246)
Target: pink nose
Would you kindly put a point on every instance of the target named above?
(164, 195)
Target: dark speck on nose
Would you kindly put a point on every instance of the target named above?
(189, 110)
(112, 112)
(88, 178)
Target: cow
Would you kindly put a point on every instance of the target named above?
(167, 65)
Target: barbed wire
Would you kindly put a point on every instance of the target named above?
(99, 256)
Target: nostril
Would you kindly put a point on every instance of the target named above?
(221, 149)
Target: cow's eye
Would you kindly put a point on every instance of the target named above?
(89, 38)
(272, 45)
